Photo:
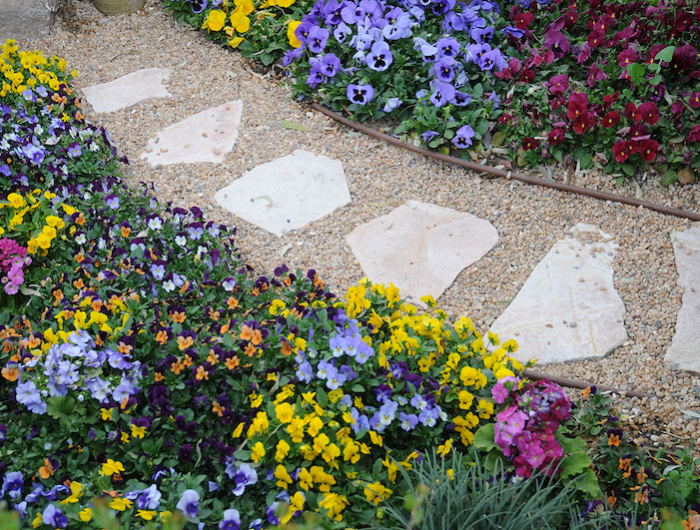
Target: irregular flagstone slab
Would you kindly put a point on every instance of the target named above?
(568, 308)
(128, 90)
(25, 19)
(684, 353)
(421, 248)
(203, 137)
(287, 193)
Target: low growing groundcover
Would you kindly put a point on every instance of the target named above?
(607, 85)
(149, 378)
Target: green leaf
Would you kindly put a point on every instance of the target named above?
(588, 484)
(669, 177)
(665, 55)
(357, 388)
(242, 454)
(498, 138)
(636, 71)
(289, 125)
(557, 156)
(586, 161)
(61, 407)
(322, 397)
(484, 438)
(574, 464)
(477, 91)
(655, 80)
(572, 445)
(629, 169)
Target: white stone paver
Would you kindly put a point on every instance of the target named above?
(684, 352)
(568, 308)
(421, 248)
(203, 137)
(287, 193)
(128, 90)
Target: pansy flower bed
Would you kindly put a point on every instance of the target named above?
(147, 375)
(607, 86)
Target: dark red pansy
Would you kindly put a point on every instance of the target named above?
(584, 122)
(620, 151)
(611, 119)
(529, 144)
(596, 39)
(578, 104)
(556, 136)
(637, 130)
(523, 20)
(649, 112)
(648, 149)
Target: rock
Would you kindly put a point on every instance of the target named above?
(287, 193)
(128, 90)
(553, 293)
(25, 19)
(684, 352)
(212, 148)
(421, 248)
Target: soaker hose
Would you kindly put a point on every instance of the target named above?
(602, 195)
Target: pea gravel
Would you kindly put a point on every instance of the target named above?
(380, 178)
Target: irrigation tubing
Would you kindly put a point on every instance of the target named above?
(571, 383)
(529, 180)
(602, 195)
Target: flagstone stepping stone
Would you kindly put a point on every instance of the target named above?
(287, 193)
(568, 309)
(684, 352)
(203, 137)
(128, 90)
(421, 248)
(25, 19)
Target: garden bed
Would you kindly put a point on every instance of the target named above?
(482, 194)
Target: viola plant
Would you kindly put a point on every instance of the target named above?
(613, 87)
(257, 28)
(44, 139)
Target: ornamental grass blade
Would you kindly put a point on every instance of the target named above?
(289, 125)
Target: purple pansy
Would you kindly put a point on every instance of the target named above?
(360, 94)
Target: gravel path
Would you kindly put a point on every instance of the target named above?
(381, 177)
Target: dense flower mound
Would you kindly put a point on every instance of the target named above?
(145, 368)
(611, 86)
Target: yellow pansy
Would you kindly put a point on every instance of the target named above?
(111, 467)
(235, 42)
(120, 504)
(294, 42)
(376, 493)
(146, 514)
(16, 200)
(215, 21)
(284, 412)
(85, 515)
(444, 449)
(283, 478)
(137, 432)
(239, 21)
(258, 452)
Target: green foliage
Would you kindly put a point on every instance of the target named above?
(460, 494)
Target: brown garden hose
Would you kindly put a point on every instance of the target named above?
(602, 195)
(530, 180)
(571, 383)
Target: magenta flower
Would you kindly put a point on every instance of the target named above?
(559, 84)
(557, 42)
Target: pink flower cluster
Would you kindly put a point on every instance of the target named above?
(13, 259)
(525, 431)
